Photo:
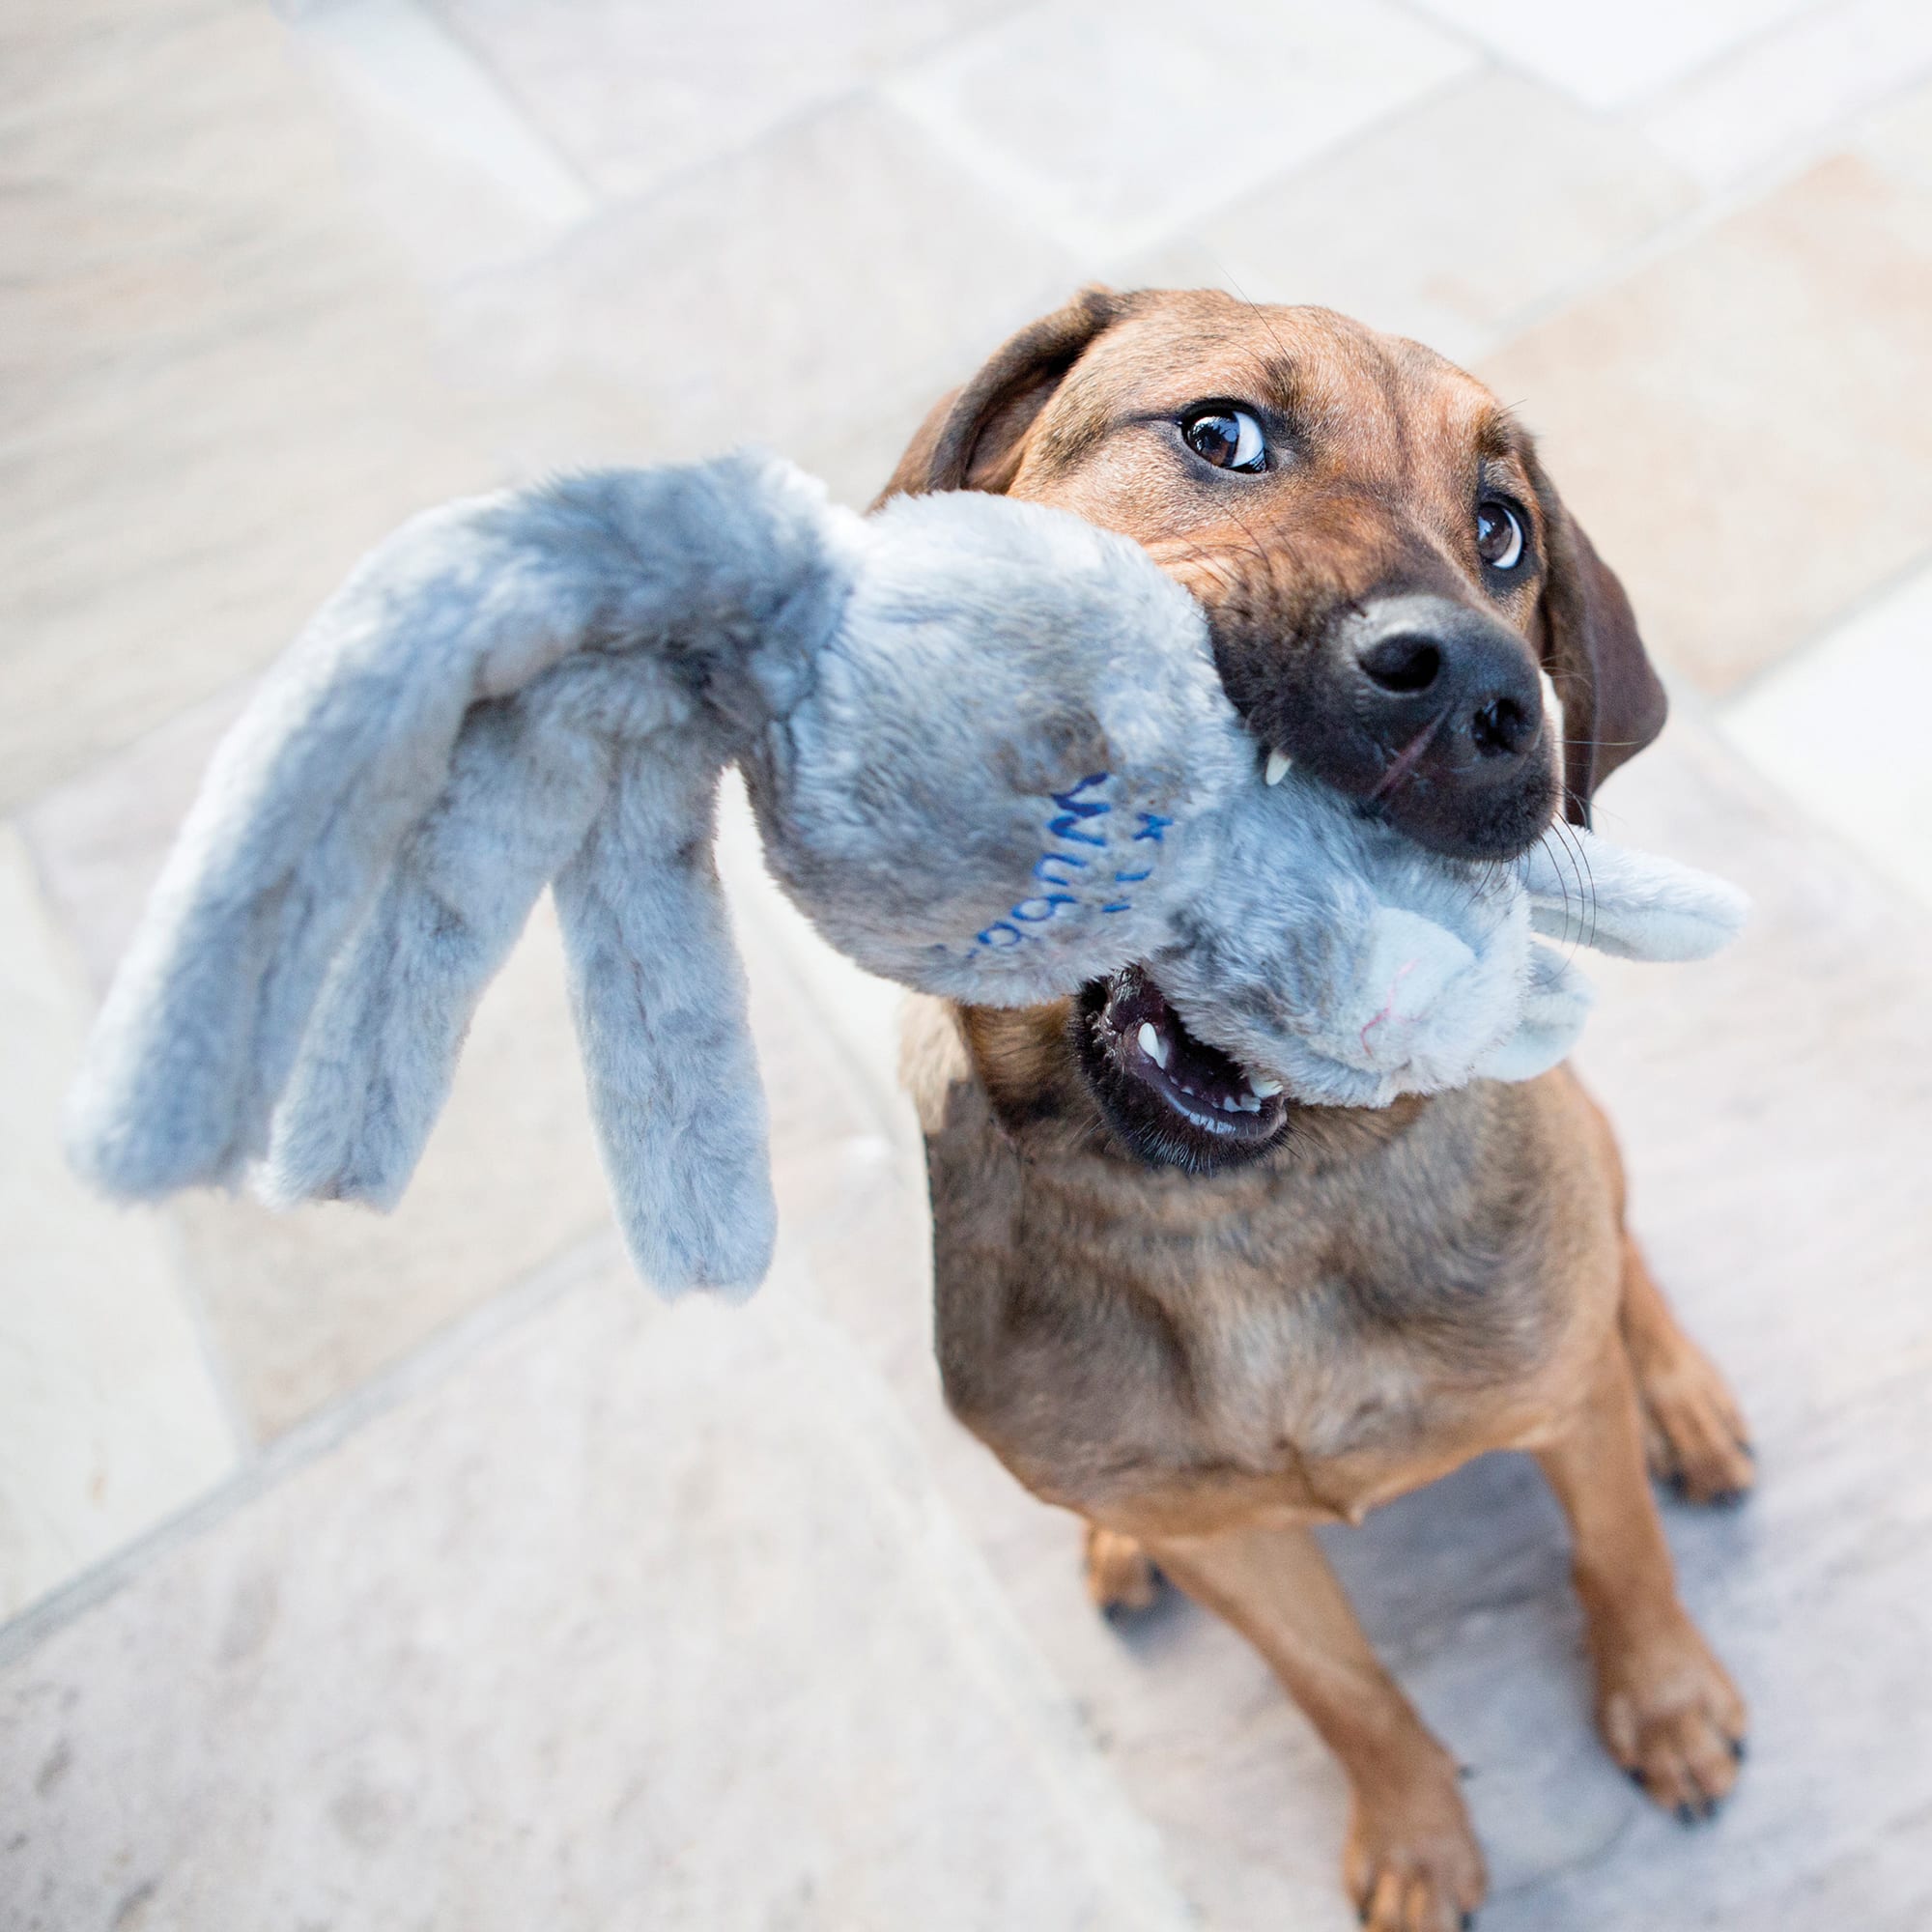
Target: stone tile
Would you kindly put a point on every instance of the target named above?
(641, 97)
(437, 146)
(111, 1418)
(220, 385)
(1776, 1103)
(815, 294)
(1380, 229)
(100, 838)
(1111, 125)
(1609, 55)
(1786, 92)
(634, 1609)
(1742, 424)
(1898, 137)
(1819, 1598)
(1834, 727)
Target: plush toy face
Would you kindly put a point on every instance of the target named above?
(991, 757)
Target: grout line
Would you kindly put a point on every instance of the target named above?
(1336, 152)
(243, 1434)
(1860, 605)
(1502, 63)
(516, 101)
(314, 1437)
(1641, 102)
(407, 59)
(856, 92)
(1747, 43)
(166, 1230)
(1708, 209)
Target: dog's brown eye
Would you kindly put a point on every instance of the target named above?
(1228, 439)
(1498, 536)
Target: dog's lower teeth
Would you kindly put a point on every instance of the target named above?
(1152, 1044)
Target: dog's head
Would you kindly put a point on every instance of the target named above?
(1399, 603)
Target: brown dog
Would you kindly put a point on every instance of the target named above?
(1206, 1343)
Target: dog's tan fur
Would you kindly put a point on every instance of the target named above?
(1203, 1367)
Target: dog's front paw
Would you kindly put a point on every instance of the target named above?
(1694, 1435)
(1673, 1717)
(1122, 1578)
(1412, 1863)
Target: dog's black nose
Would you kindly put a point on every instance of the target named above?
(1433, 665)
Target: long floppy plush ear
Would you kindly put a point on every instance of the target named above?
(532, 687)
(975, 436)
(1613, 703)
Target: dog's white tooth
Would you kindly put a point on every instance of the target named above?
(1228, 1105)
(1251, 1103)
(1152, 1044)
(1262, 1086)
(1277, 766)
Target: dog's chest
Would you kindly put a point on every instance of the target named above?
(1315, 1344)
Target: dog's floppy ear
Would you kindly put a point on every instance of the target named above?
(975, 436)
(1613, 703)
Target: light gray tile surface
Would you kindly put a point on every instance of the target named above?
(434, 143)
(1700, 416)
(1898, 137)
(813, 295)
(1776, 1102)
(219, 385)
(1786, 91)
(637, 1617)
(641, 96)
(110, 1415)
(1113, 124)
(1871, 785)
(1609, 55)
(1427, 227)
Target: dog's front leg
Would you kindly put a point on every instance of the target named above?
(1412, 1863)
(1669, 1714)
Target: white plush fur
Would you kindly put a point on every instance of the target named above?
(990, 758)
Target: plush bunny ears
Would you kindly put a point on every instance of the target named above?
(508, 693)
(990, 758)
(543, 688)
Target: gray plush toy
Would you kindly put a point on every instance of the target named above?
(990, 758)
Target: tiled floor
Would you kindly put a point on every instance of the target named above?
(372, 1571)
